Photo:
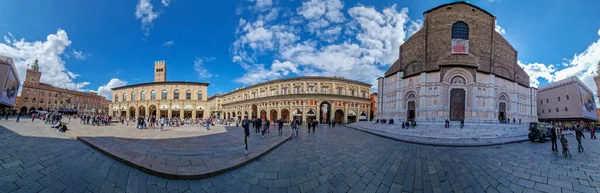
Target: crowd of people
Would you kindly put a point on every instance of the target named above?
(557, 134)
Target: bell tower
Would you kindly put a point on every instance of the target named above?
(160, 71)
(33, 74)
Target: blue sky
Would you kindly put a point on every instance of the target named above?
(97, 45)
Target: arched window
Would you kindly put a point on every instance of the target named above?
(460, 30)
(116, 98)
(43, 93)
(199, 95)
(410, 96)
(188, 95)
(502, 98)
(176, 94)
(27, 91)
(124, 97)
(164, 94)
(152, 95)
(35, 92)
(143, 95)
(41, 100)
(457, 80)
(339, 91)
(33, 100)
(132, 96)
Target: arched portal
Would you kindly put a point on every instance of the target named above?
(311, 114)
(232, 114)
(351, 116)
(152, 110)
(131, 112)
(339, 116)
(325, 111)
(273, 115)
(23, 110)
(285, 115)
(263, 114)
(40, 109)
(239, 117)
(254, 111)
(142, 111)
(31, 109)
(297, 113)
(502, 108)
(245, 114)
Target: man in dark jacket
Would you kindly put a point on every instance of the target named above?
(578, 136)
(553, 138)
(280, 126)
(246, 126)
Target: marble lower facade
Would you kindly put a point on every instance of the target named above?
(454, 94)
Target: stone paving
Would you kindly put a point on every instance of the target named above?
(185, 152)
(340, 159)
(437, 135)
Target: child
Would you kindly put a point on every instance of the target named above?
(565, 145)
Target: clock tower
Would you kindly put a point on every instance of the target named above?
(33, 74)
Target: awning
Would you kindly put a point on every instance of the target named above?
(67, 110)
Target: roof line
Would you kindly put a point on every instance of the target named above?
(459, 2)
(164, 82)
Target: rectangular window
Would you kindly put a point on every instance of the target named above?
(567, 97)
(188, 96)
(547, 101)
(164, 95)
(153, 96)
(351, 93)
(558, 99)
(549, 111)
(340, 91)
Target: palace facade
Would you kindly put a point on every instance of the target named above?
(304, 98)
(456, 67)
(161, 98)
(39, 96)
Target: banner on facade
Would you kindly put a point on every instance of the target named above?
(460, 46)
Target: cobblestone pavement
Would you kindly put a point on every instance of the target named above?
(184, 152)
(330, 160)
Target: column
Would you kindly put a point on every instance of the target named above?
(137, 112)
(169, 113)
(127, 114)
(194, 114)
(317, 113)
(146, 111)
(181, 113)
(303, 112)
(345, 112)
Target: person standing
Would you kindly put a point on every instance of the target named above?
(280, 126)
(333, 123)
(264, 124)
(32, 117)
(18, 117)
(294, 126)
(553, 138)
(162, 123)
(329, 122)
(246, 126)
(315, 123)
(592, 133)
(208, 122)
(578, 136)
(462, 123)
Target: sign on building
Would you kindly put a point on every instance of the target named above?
(460, 46)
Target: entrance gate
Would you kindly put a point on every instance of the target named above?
(457, 104)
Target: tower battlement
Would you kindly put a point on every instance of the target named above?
(160, 62)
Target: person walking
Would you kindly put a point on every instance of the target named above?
(32, 117)
(162, 123)
(294, 126)
(280, 126)
(329, 122)
(592, 133)
(565, 145)
(246, 126)
(315, 124)
(462, 123)
(264, 124)
(18, 117)
(553, 138)
(578, 136)
(208, 122)
(333, 123)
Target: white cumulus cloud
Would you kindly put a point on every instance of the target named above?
(321, 39)
(105, 90)
(165, 2)
(199, 68)
(144, 11)
(48, 52)
(169, 44)
(79, 54)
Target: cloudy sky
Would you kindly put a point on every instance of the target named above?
(97, 45)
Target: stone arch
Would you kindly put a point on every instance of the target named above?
(453, 72)
(285, 115)
(132, 111)
(142, 110)
(23, 110)
(31, 109)
(339, 116)
(263, 114)
(413, 67)
(273, 115)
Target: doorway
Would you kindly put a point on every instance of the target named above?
(457, 104)
(502, 112)
(411, 111)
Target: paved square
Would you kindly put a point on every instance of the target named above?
(337, 159)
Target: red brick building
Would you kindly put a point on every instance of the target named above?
(39, 96)
(456, 67)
